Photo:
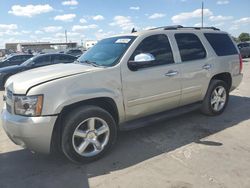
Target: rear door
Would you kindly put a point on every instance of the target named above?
(195, 66)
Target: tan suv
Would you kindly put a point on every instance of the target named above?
(118, 84)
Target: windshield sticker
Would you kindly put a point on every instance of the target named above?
(123, 41)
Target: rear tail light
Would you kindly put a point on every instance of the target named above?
(241, 63)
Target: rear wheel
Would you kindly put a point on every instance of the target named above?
(216, 98)
(88, 133)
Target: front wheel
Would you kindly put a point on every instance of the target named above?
(216, 98)
(88, 133)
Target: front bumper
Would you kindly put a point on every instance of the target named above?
(34, 133)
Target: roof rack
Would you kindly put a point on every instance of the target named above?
(175, 27)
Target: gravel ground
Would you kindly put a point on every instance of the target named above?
(192, 150)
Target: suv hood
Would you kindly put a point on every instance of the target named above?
(20, 83)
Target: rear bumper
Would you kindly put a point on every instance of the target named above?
(33, 133)
(236, 80)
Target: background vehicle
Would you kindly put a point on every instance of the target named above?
(74, 52)
(120, 83)
(244, 49)
(14, 60)
(34, 62)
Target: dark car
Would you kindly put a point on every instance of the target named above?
(74, 52)
(34, 62)
(244, 48)
(14, 60)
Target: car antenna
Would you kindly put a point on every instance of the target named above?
(133, 30)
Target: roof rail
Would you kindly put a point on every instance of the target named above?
(199, 28)
(175, 27)
(168, 27)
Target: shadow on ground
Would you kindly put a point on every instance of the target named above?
(24, 169)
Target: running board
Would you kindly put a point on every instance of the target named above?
(151, 119)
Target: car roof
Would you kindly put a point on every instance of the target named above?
(47, 54)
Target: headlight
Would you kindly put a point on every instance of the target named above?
(28, 105)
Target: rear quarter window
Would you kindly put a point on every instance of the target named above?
(221, 43)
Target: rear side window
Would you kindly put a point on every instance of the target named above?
(190, 47)
(221, 43)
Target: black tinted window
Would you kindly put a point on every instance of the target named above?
(190, 47)
(42, 60)
(63, 58)
(16, 58)
(221, 43)
(158, 46)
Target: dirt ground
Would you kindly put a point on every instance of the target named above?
(191, 151)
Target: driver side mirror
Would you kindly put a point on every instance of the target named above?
(142, 60)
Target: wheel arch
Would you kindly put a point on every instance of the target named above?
(105, 103)
(225, 76)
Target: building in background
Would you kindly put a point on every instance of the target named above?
(37, 46)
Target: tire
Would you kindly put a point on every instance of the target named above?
(82, 140)
(210, 101)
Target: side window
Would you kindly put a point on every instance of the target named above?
(158, 46)
(221, 43)
(69, 59)
(15, 58)
(42, 60)
(190, 47)
(63, 59)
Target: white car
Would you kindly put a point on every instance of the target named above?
(120, 83)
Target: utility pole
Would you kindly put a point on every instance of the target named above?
(66, 37)
(202, 16)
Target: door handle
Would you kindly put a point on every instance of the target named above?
(207, 67)
(171, 73)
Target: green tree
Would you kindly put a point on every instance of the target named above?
(244, 37)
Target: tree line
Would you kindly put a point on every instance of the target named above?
(243, 37)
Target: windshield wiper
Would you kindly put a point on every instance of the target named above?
(90, 63)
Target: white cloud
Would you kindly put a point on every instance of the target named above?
(65, 17)
(26, 32)
(9, 29)
(80, 28)
(30, 10)
(70, 3)
(38, 32)
(234, 27)
(101, 35)
(124, 22)
(82, 20)
(220, 18)
(241, 21)
(222, 2)
(52, 29)
(134, 8)
(98, 18)
(4, 27)
(156, 16)
(179, 18)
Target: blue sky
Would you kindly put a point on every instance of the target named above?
(46, 20)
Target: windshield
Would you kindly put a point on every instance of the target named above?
(108, 51)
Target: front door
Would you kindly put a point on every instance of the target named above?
(155, 87)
